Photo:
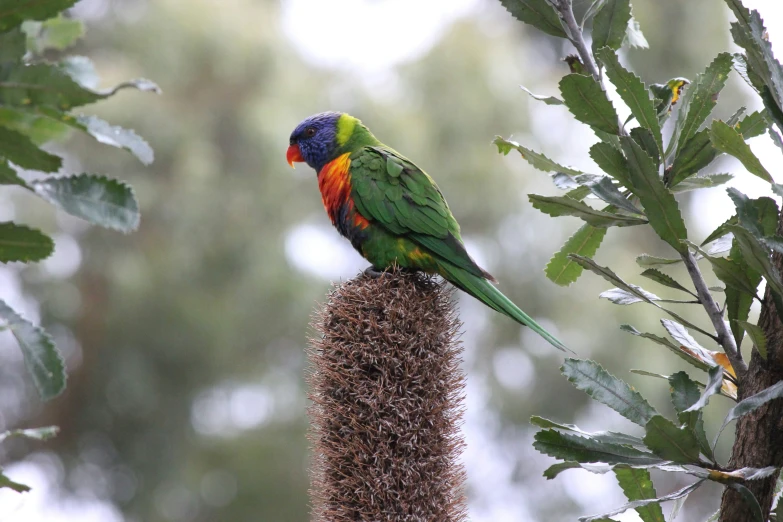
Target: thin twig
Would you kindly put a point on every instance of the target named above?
(564, 7)
(725, 338)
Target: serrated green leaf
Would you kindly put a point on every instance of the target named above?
(42, 84)
(702, 182)
(633, 92)
(608, 437)
(555, 469)
(41, 358)
(14, 12)
(750, 34)
(611, 161)
(753, 125)
(21, 243)
(564, 206)
(729, 271)
(750, 500)
(655, 338)
(644, 139)
(714, 383)
(776, 494)
(676, 507)
(12, 46)
(735, 118)
(610, 276)
(622, 297)
(659, 204)
(721, 230)
(702, 360)
(719, 247)
(549, 100)
(117, 137)
(593, 10)
(59, 33)
(579, 449)
(538, 13)
(99, 200)
(774, 243)
(637, 485)
(756, 335)
(728, 140)
(578, 194)
(105, 133)
(664, 279)
(730, 392)
(49, 85)
(6, 482)
(602, 187)
(587, 101)
(81, 70)
(753, 403)
(680, 493)
(536, 159)
(670, 442)
(8, 175)
(704, 96)
(585, 242)
(696, 154)
(680, 334)
(602, 386)
(757, 257)
(611, 24)
(646, 260)
(776, 139)
(685, 393)
(757, 216)
(38, 128)
(17, 148)
(738, 304)
(565, 182)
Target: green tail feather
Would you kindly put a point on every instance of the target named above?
(486, 292)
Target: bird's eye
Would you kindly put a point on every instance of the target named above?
(309, 132)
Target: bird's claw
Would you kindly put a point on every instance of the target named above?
(373, 272)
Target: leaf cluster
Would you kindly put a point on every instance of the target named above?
(642, 171)
(39, 100)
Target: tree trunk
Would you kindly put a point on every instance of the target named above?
(759, 435)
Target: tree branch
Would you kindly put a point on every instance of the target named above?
(725, 338)
(565, 8)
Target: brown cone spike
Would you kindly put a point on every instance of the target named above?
(387, 397)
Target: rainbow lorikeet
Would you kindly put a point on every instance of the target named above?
(392, 211)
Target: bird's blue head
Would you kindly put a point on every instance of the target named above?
(317, 139)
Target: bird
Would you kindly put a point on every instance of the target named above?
(392, 211)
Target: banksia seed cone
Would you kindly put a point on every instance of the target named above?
(387, 393)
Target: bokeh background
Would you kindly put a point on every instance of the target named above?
(185, 340)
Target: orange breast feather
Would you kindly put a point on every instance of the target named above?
(334, 182)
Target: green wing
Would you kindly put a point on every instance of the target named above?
(389, 189)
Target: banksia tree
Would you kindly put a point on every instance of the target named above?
(646, 164)
(387, 391)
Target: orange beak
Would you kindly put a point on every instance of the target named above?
(293, 155)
